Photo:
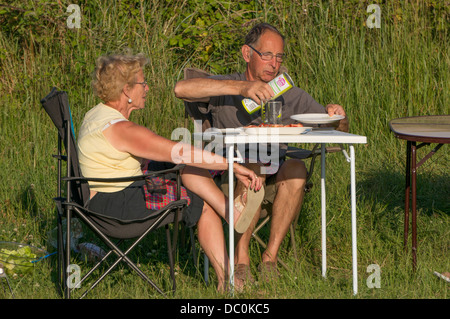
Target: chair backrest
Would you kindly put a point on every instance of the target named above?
(192, 109)
(56, 104)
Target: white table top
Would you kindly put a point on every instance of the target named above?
(313, 136)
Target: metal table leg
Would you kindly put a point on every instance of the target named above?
(407, 191)
(413, 202)
(324, 213)
(411, 189)
(353, 202)
(230, 157)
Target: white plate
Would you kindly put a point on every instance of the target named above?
(316, 118)
(231, 130)
(276, 130)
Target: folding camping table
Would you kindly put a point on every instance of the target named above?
(321, 136)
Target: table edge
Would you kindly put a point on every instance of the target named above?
(424, 139)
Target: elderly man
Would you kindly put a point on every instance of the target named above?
(221, 97)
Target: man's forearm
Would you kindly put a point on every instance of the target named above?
(201, 89)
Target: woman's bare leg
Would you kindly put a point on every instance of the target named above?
(211, 238)
(210, 228)
(200, 182)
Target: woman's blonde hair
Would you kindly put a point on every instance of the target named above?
(113, 72)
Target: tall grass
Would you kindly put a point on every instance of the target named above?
(398, 70)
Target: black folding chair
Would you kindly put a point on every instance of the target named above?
(73, 205)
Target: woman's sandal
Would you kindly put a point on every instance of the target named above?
(248, 208)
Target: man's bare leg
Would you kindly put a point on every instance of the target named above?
(291, 179)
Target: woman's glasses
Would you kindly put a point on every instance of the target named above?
(143, 83)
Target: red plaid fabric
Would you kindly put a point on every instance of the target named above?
(215, 173)
(156, 201)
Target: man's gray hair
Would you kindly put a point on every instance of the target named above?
(255, 33)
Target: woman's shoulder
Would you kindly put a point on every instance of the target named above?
(104, 112)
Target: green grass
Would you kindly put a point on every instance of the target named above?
(398, 70)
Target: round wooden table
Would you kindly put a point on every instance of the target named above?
(433, 129)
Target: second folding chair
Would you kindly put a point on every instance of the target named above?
(202, 121)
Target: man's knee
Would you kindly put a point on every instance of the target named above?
(293, 170)
(256, 167)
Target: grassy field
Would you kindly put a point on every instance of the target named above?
(377, 74)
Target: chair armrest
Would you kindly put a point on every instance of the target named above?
(299, 153)
(343, 125)
(176, 168)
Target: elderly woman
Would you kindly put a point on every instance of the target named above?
(109, 145)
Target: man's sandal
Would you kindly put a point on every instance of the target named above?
(243, 277)
(248, 208)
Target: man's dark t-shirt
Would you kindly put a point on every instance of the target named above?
(227, 111)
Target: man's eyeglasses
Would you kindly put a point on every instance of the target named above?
(143, 83)
(267, 56)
